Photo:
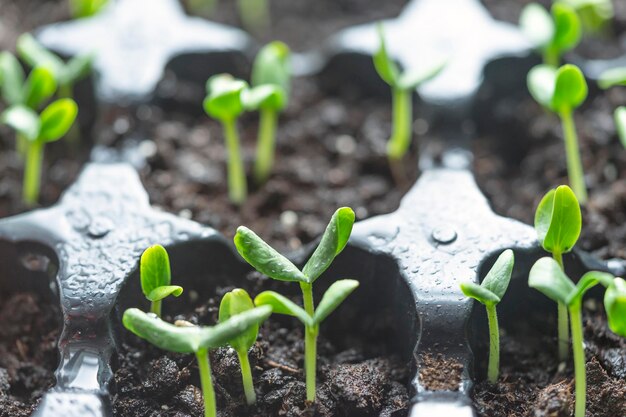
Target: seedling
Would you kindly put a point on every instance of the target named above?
(156, 276)
(594, 15)
(558, 223)
(195, 339)
(37, 130)
(608, 79)
(562, 90)
(269, 94)
(271, 263)
(86, 8)
(235, 302)
(490, 293)
(224, 103)
(548, 277)
(620, 123)
(552, 33)
(402, 86)
(254, 15)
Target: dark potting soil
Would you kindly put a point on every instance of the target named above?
(356, 377)
(438, 373)
(29, 328)
(305, 24)
(533, 384)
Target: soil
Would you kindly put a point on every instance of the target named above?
(438, 373)
(358, 379)
(533, 384)
(29, 328)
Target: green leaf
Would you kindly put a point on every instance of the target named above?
(57, 119)
(333, 297)
(479, 293)
(282, 305)
(568, 30)
(154, 269)
(272, 66)
(558, 220)
(224, 100)
(384, 65)
(235, 302)
(333, 241)
(612, 77)
(541, 81)
(537, 24)
(265, 96)
(23, 120)
(546, 276)
(620, 123)
(499, 276)
(40, 86)
(411, 79)
(12, 79)
(615, 305)
(86, 8)
(586, 282)
(570, 90)
(190, 339)
(159, 293)
(264, 258)
(77, 68)
(35, 55)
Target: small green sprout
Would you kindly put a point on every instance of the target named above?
(156, 276)
(608, 79)
(562, 90)
(235, 302)
(620, 123)
(402, 86)
(86, 8)
(224, 103)
(36, 130)
(271, 263)
(31, 92)
(269, 94)
(594, 15)
(558, 223)
(254, 15)
(194, 339)
(490, 293)
(548, 277)
(552, 33)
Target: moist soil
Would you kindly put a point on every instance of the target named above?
(29, 329)
(357, 375)
(532, 382)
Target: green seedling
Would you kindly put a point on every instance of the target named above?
(608, 79)
(620, 123)
(271, 263)
(194, 339)
(402, 86)
(595, 15)
(86, 8)
(156, 277)
(31, 92)
(548, 277)
(552, 33)
(558, 223)
(269, 94)
(490, 293)
(562, 90)
(37, 130)
(235, 302)
(254, 15)
(224, 103)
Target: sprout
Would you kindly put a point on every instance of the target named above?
(490, 293)
(594, 15)
(558, 223)
(608, 79)
(552, 33)
(402, 86)
(548, 277)
(37, 130)
(562, 90)
(620, 123)
(86, 8)
(254, 15)
(224, 103)
(154, 270)
(194, 339)
(32, 92)
(271, 263)
(271, 74)
(235, 302)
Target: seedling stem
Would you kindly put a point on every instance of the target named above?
(579, 358)
(246, 376)
(237, 188)
(402, 115)
(266, 145)
(493, 368)
(207, 383)
(574, 163)
(32, 171)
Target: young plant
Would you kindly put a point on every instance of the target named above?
(552, 33)
(269, 94)
(548, 277)
(402, 86)
(562, 90)
(558, 223)
(86, 8)
(620, 123)
(595, 15)
(224, 103)
(194, 339)
(37, 130)
(235, 302)
(269, 262)
(608, 79)
(156, 277)
(254, 15)
(490, 293)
